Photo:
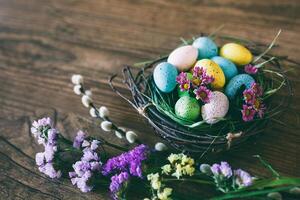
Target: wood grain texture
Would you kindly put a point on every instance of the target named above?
(42, 43)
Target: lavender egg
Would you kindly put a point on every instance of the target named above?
(207, 48)
(216, 109)
(236, 83)
(164, 76)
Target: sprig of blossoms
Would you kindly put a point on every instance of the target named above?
(160, 192)
(253, 102)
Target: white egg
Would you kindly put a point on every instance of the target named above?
(183, 58)
(216, 109)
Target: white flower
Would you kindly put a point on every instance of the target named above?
(86, 100)
(119, 134)
(160, 146)
(77, 89)
(103, 112)
(93, 112)
(106, 126)
(131, 136)
(164, 195)
(88, 93)
(77, 79)
(275, 195)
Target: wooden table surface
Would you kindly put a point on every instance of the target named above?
(44, 42)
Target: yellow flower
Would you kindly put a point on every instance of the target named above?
(166, 169)
(164, 195)
(154, 179)
(178, 172)
(173, 157)
(188, 170)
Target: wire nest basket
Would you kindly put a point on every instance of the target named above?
(206, 138)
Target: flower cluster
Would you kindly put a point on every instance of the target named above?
(129, 162)
(253, 103)
(162, 193)
(225, 178)
(89, 164)
(197, 81)
(46, 135)
(251, 69)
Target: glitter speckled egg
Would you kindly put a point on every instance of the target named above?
(214, 70)
(236, 83)
(183, 57)
(164, 76)
(216, 109)
(227, 67)
(237, 53)
(207, 48)
(187, 108)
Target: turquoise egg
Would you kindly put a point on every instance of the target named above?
(227, 66)
(164, 76)
(207, 48)
(187, 108)
(236, 83)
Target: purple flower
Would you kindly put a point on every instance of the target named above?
(222, 169)
(257, 89)
(248, 113)
(79, 139)
(183, 81)
(242, 178)
(199, 74)
(95, 144)
(39, 129)
(203, 93)
(251, 69)
(117, 182)
(259, 107)
(249, 96)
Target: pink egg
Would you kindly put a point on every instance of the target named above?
(183, 58)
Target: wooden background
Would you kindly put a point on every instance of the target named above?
(43, 42)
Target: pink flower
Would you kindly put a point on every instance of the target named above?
(183, 81)
(250, 69)
(257, 89)
(249, 96)
(203, 93)
(259, 107)
(248, 113)
(199, 73)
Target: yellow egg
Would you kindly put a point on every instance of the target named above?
(237, 53)
(213, 69)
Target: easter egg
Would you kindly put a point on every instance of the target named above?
(207, 48)
(183, 57)
(214, 70)
(236, 83)
(216, 109)
(164, 76)
(227, 67)
(237, 53)
(187, 108)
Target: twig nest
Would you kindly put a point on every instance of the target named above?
(106, 126)
(160, 146)
(93, 112)
(236, 83)
(187, 108)
(131, 136)
(77, 89)
(207, 48)
(275, 196)
(216, 109)
(164, 76)
(213, 69)
(77, 79)
(237, 53)
(183, 57)
(119, 134)
(227, 67)
(86, 100)
(103, 112)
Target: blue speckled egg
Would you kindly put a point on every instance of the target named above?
(164, 76)
(236, 83)
(207, 48)
(227, 66)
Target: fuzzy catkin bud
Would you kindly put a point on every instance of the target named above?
(93, 112)
(119, 134)
(131, 136)
(77, 79)
(88, 93)
(86, 100)
(106, 126)
(103, 112)
(275, 195)
(205, 169)
(295, 190)
(160, 146)
(77, 89)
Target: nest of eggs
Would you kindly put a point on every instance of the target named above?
(202, 134)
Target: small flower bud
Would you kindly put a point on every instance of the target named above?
(93, 112)
(275, 195)
(77, 79)
(205, 169)
(86, 100)
(160, 146)
(88, 93)
(119, 134)
(106, 126)
(131, 136)
(295, 190)
(77, 89)
(103, 112)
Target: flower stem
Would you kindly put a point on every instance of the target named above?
(189, 180)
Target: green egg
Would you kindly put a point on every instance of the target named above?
(184, 93)
(187, 108)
